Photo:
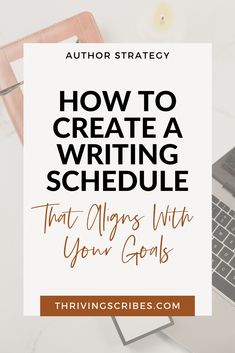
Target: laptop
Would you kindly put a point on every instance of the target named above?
(216, 334)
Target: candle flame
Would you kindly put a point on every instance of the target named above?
(163, 17)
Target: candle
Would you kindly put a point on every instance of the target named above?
(163, 17)
(163, 21)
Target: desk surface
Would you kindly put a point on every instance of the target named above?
(120, 21)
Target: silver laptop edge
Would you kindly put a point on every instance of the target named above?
(215, 334)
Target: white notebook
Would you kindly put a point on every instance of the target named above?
(132, 328)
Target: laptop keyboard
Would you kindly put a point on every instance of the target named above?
(223, 248)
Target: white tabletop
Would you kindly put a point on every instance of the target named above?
(119, 21)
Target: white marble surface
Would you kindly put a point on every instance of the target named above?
(119, 21)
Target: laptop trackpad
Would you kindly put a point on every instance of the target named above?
(209, 333)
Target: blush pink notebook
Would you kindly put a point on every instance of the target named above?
(82, 26)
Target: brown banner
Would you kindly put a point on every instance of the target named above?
(117, 305)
